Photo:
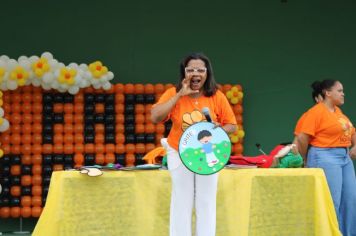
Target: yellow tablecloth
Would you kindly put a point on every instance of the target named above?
(250, 202)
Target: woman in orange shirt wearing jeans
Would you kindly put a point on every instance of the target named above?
(183, 104)
(330, 135)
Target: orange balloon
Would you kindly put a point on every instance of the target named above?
(99, 128)
(68, 108)
(109, 158)
(89, 148)
(119, 108)
(36, 149)
(37, 118)
(26, 180)
(139, 109)
(15, 170)
(119, 88)
(26, 129)
(58, 167)
(15, 118)
(15, 191)
(99, 108)
(99, 148)
(79, 148)
(68, 118)
(36, 190)
(159, 88)
(26, 149)
(237, 109)
(78, 159)
(37, 97)
(130, 148)
(68, 128)
(129, 88)
(110, 148)
(150, 128)
(58, 148)
(58, 108)
(27, 118)
(36, 201)
(99, 159)
(37, 159)
(78, 138)
(79, 98)
(68, 148)
(37, 169)
(47, 149)
(139, 128)
(158, 139)
(16, 97)
(36, 211)
(239, 119)
(140, 148)
(148, 118)
(26, 160)
(68, 138)
(120, 148)
(99, 138)
(37, 180)
(26, 108)
(149, 89)
(168, 86)
(58, 129)
(26, 211)
(26, 139)
(119, 128)
(15, 139)
(15, 212)
(148, 108)
(150, 147)
(15, 128)
(89, 90)
(16, 108)
(58, 138)
(130, 159)
(119, 118)
(16, 149)
(37, 108)
(4, 212)
(226, 87)
(119, 98)
(26, 201)
(78, 118)
(139, 88)
(5, 138)
(160, 128)
(139, 119)
(36, 138)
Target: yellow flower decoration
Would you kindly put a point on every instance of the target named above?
(2, 73)
(239, 134)
(20, 75)
(66, 76)
(234, 95)
(97, 69)
(40, 67)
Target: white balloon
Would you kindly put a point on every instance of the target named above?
(73, 90)
(33, 59)
(11, 84)
(4, 58)
(110, 75)
(47, 55)
(4, 126)
(107, 86)
(97, 86)
(1, 112)
(22, 58)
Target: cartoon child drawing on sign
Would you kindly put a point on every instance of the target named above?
(204, 138)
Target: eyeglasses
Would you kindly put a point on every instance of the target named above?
(189, 70)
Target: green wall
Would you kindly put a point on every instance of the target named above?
(274, 50)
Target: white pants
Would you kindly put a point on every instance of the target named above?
(189, 190)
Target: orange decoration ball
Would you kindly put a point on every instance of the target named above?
(26, 180)
(36, 201)
(140, 148)
(119, 88)
(26, 211)
(15, 212)
(99, 158)
(139, 88)
(129, 88)
(36, 211)
(26, 201)
(109, 158)
(37, 179)
(149, 89)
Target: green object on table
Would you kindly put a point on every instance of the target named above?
(290, 161)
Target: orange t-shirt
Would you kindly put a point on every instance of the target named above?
(188, 111)
(300, 122)
(327, 129)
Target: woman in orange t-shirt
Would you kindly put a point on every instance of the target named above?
(183, 104)
(330, 135)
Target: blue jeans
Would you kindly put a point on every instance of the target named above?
(340, 174)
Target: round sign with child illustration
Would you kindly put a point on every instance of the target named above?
(204, 149)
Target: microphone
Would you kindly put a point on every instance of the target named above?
(206, 113)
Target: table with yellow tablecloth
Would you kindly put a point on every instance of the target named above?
(249, 202)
